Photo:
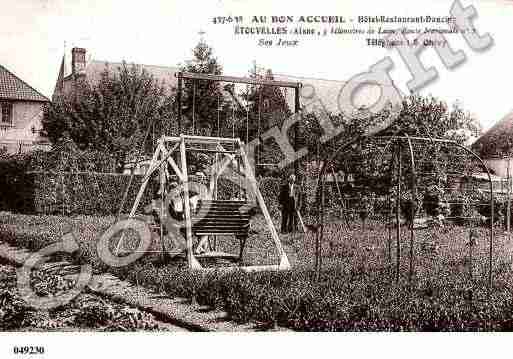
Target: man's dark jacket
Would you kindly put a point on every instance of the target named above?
(284, 198)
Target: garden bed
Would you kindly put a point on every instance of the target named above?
(356, 291)
(87, 312)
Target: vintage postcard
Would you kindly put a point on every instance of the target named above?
(235, 166)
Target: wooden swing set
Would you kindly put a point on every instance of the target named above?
(214, 217)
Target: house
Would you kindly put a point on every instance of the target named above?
(321, 96)
(90, 70)
(496, 145)
(21, 109)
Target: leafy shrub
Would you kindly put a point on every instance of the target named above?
(12, 308)
(15, 185)
(433, 202)
(409, 206)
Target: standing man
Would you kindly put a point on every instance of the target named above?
(290, 201)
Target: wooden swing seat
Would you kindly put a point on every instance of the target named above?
(222, 218)
(218, 255)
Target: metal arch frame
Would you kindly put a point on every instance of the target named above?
(414, 211)
(320, 193)
(328, 162)
(490, 254)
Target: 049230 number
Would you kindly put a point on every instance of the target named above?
(28, 350)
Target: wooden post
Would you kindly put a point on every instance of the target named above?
(284, 262)
(413, 205)
(162, 213)
(297, 108)
(191, 260)
(179, 103)
(138, 198)
(321, 236)
(412, 236)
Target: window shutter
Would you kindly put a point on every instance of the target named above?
(6, 112)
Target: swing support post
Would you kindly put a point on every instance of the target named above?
(297, 108)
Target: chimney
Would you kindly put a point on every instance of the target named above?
(78, 61)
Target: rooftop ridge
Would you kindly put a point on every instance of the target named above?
(44, 98)
(133, 63)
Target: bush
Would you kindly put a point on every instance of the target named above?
(409, 206)
(15, 184)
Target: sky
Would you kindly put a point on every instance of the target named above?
(35, 33)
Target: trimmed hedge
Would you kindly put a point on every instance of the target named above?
(83, 193)
(73, 193)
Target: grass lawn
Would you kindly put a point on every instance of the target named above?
(356, 289)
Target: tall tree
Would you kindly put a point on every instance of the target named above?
(419, 116)
(430, 117)
(204, 107)
(114, 114)
(266, 107)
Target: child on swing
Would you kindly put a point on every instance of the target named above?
(176, 209)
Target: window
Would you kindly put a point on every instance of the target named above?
(6, 112)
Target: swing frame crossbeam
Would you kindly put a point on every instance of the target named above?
(163, 159)
(235, 79)
(194, 77)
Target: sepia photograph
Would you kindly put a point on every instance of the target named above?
(265, 168)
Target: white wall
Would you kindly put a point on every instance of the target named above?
(24, 116)
(499, 166)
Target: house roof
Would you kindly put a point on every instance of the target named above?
(327, 91)
(14, 88)
(498, 140)
(164, 74)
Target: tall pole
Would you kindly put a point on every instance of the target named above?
(297, 108)
(389, 230)
(390, 210)
(179, 103)
(319, 236)
(398, 216)
(191, 260)
(413, 205)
